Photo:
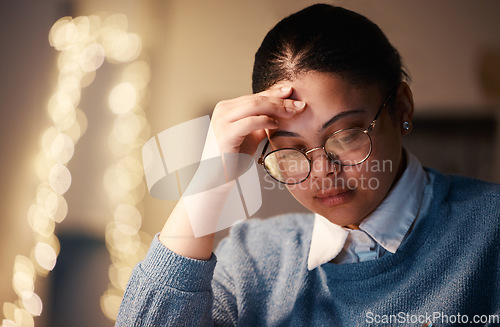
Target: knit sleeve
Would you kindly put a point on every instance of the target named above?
(225, 310)
(167, 289)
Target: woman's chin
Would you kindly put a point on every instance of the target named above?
(341, 216)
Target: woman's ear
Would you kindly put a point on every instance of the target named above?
(404, 107)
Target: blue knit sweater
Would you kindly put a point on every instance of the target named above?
(447, 270)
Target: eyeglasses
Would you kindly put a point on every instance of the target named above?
(346, 147)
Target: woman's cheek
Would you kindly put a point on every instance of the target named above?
(303, 194)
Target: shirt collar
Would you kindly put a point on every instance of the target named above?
(391, 220)
(326, 242)
(387, 224)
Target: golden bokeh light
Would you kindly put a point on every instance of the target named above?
(85, 43)
(82, 121)
(59, 178)
(70, 81)
(62, 105)
(92, 57)
(128, 127)
(79, 126)
(47, 138)
(32, 303)
(138, 74)
(67, 61)
(62, 148)
(124, 180)
(120, 46)
(63, 116)
(87, 78)
(43, 165)
(54, 204)
(124, 47)
(23, 282)
(24, 265)
(114, 21)
(9, 323)
(9, 310)
(52, 240)
(110, 303)
(45, 255)
(121, 242)
(40, 221)
(117, 148)
(119, 274)
(95, 26)
(23, 318)
(57, 206)
(123, 98)
(62, 33)
(129, 172)
(127, 218)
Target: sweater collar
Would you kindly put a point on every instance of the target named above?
(387, 224)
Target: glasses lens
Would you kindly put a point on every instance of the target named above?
(349, 146)
(287, 166)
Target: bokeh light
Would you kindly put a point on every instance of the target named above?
(84, 44)
(32, 303)
(40, 221)
(110, 303)
(59, 178)
(92, 57)
(23, 282)
(62, 148)
(123, 98)
(124, 179)
(46, 255)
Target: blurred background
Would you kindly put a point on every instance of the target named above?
(84, 83)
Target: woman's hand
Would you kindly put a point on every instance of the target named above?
(239, 124)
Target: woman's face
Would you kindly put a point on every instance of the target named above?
(343, 195)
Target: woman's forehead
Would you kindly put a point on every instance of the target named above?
(331, 92)
(317, 122)
(330, 100)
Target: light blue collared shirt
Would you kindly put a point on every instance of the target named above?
(382, 230)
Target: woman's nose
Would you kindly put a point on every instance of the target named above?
(322, 165)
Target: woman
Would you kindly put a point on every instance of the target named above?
(388, 241)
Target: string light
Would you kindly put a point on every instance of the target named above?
(124, 180)
(84, 44)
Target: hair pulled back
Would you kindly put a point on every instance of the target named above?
(327, 39)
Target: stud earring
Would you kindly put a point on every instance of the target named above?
(406, 125)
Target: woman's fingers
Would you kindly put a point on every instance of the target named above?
(258, 104)
(247, 125)
(278, 91)
(239, 123)
(242, 128)
(261, 105)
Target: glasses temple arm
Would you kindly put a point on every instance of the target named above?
(261, 158)
(372, 125)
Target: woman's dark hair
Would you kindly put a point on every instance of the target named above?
(327, 39)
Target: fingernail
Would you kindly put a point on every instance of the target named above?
(290, 110)
(286, 88)
(299, 104)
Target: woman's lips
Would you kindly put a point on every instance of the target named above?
(334, 197)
